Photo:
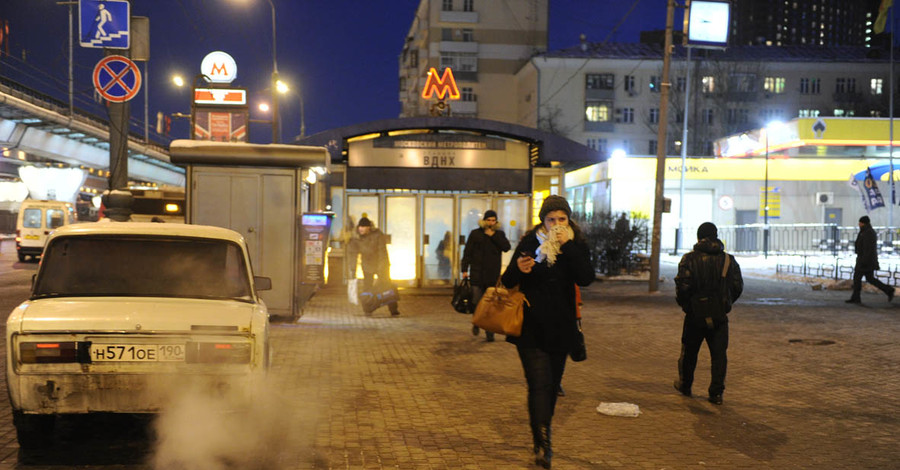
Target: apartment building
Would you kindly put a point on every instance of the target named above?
(607, 96)
(484, 42)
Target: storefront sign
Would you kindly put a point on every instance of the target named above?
(439, 151)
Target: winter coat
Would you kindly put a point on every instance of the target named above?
(701, 268)
(550, 313)
(372, 249)
(866, 249)
(482, 256)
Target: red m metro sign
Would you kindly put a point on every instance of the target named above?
(443, 86)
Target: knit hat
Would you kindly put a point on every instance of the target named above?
(865, 219)
(489, 213)
(554, 203)
(364, 222)
(707, 230)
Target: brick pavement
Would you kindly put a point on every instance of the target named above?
(420, 392)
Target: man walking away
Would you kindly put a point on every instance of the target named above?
(482, 257)
(708, 282)
(867, 262)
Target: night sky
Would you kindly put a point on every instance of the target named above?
(341, 54)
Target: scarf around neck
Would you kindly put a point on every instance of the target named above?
(549, 244)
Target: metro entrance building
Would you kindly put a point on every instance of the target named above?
(427, 182)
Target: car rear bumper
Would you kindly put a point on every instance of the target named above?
(123, 393)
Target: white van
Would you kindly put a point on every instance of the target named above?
(37, 218)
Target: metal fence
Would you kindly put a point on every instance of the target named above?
(789, 239)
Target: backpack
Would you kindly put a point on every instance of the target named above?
(712, 303)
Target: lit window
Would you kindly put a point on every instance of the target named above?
(774, 84)
(709, 84)
(597, 111)
(876, 85)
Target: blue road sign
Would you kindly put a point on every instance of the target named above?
(104, 23)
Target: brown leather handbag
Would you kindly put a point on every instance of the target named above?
(501, 310)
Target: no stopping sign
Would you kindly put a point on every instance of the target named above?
(117, 78)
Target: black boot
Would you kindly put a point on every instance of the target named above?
(546, 448)
(536, 439)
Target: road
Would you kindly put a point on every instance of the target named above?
(812, 383)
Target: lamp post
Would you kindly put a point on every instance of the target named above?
(275, 125)
(766, 201)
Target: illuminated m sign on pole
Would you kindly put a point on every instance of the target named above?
(444, 86)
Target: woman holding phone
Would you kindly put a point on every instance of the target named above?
(550, 260)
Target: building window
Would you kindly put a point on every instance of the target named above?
(459, 61)
(770, 114)
(743, 82)
(845, 85)
(599, 81)
(651, 147)
(654, 115)
(414, 58)
(874, 113)
(446, 34)
(804, 113)
(627, 115)
(654, 84)
(468, 5)
(844, 113)
(629, 83)
(680, 84)
(467, 94)
(468, 35)
(597, 144)
(738, 116)
(597, 111)
(810, 86)
(876, 85)
(774, 84)
(709, 84)
(707, 116)
(447, 5)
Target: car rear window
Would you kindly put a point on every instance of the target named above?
(32, 218)
(143, 266)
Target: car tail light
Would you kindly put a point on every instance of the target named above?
(48, 352)
(218, 353)
(18, 236)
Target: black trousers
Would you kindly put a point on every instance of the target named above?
(871, 279)
(384, 282)
(543, 372)
(692, 337)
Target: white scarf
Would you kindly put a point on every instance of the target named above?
(550, 243)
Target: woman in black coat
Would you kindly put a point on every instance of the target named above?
(550, 260)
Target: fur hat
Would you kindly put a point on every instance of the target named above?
(489, 213)
(555, 203)
(707, 230)
(865, 219)
(364, 222)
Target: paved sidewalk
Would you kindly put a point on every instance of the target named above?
(812, 383)
(419, 391)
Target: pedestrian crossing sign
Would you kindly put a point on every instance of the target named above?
(104, 23)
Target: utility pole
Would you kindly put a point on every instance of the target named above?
(661, 149)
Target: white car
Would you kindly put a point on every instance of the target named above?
(121, 313)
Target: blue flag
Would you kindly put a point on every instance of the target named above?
(873, 195)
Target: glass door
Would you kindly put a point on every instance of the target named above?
(513, 219)
(471, 211)
(439, 244)
(400, 224)
(358, 206)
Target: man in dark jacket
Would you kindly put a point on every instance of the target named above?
(482, 257)
(370, 245)
(700, 286)
(867, 262)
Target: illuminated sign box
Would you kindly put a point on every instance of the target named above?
(707, 24)
(221, 96)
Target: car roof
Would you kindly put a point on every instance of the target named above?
(109, 227)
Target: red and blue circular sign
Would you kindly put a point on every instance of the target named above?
(117, 78)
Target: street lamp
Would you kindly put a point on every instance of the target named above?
(283, 88)
(275, 81)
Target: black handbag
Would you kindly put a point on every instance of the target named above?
(578, 352)
(462, 297)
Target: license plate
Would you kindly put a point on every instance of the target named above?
(32, 237)
(137, 352)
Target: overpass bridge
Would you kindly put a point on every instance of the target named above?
(38, 129)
